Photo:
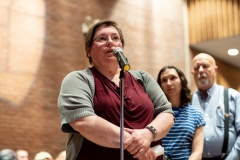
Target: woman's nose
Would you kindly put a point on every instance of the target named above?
(109, 42)
(169, 82)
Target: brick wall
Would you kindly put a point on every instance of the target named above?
(42, 42)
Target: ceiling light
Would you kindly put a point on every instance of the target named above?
(233, 52)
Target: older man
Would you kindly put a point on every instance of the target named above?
(209, 98)
(22, 154)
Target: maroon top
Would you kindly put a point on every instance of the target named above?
(138, 113)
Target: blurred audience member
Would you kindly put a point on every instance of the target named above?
(43, 156)
(22, 154)
(8, 154)
(61, 156)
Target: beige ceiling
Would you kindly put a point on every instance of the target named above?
(219, 49)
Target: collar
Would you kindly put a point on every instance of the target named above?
(209, 91)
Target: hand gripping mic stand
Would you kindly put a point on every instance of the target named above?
(158, 149)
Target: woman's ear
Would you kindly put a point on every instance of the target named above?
(88, 54)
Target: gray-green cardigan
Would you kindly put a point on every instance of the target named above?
(76, 101)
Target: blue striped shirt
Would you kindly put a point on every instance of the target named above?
(178, 142)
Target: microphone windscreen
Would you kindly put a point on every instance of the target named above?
(117, 49)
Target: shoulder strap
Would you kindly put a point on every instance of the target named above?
(226, 123)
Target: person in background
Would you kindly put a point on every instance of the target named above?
(43, 156)
(185, 139)
(61, 156)
(210, 100)
(8, 154)
(22, 154)
(89, 104)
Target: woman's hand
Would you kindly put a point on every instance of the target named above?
(149, 155)
(141, 140)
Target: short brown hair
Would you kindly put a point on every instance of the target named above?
(91, 33)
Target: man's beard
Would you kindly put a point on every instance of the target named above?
(202, 80)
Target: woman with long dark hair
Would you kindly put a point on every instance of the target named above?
(185, 139)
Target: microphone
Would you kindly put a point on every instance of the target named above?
(122, 61)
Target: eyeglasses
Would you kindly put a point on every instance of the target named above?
(104, 38)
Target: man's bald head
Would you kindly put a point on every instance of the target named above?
(204, 71)
(205, 56)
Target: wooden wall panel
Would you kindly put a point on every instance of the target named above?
(225, 18)
(230, 17)
(236, 16)
(203, 21)
(219, 24)
(193, 25)
(213, 19)
(209, 19)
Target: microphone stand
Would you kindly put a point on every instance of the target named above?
(121, 77)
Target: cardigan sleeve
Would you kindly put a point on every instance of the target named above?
(75, 98)
(154, 91)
